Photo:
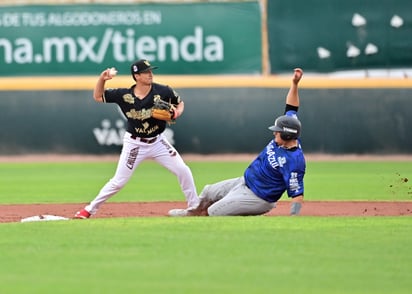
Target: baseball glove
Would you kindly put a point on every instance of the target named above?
(163, 110)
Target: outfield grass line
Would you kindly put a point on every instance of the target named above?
(199, 157)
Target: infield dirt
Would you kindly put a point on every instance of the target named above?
(16, 212)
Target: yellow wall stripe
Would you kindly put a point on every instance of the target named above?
(179, 81)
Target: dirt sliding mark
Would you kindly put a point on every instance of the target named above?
(15, 212)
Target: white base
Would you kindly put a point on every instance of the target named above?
(43, 217)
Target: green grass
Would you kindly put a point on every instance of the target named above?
(208, 255)
(364, 180)
(205, 255)
(80, 182)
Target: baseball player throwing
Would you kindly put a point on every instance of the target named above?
(278, 168)
(144, 137)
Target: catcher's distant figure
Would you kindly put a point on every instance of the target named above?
(278, 168)
(148, 107)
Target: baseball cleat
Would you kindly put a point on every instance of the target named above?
(178, 212)
(82, 214)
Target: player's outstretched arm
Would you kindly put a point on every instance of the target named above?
(296, 205)
(292, 97)
(99, 87)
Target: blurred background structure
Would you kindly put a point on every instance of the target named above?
(229, 60)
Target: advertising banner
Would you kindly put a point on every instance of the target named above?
(326, 36)
(191, 38)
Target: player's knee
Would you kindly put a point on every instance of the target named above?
(205, 191)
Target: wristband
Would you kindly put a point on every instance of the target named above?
(295, 208)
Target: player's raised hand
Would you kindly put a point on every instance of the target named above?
(108, 74)
(297, 75)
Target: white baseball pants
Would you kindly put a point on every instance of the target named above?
(133, 153)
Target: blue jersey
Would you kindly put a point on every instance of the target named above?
(275, 171)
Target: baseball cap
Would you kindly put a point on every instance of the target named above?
(140, 66)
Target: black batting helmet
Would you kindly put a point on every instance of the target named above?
(288, 127)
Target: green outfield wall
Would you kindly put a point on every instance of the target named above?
(326, 36)
(224, 57)
(336, 119)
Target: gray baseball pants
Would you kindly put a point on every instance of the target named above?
(233, 197)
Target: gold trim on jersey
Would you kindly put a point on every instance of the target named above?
(141, 114)
(128, 98)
